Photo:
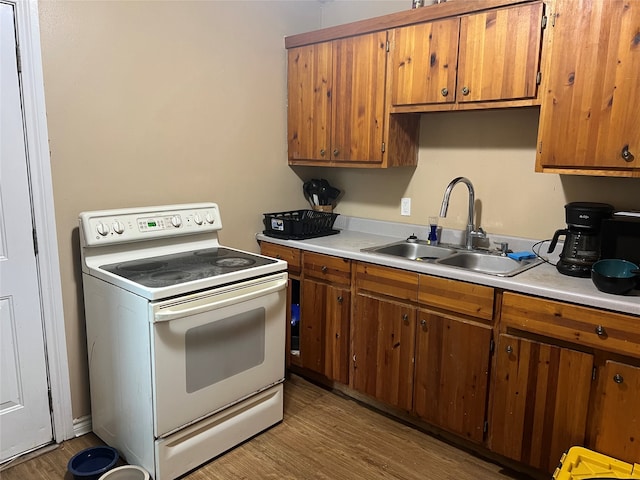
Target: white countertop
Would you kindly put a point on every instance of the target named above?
(542, 280)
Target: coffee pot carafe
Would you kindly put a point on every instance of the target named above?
(581, 247)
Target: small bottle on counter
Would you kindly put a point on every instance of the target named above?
(432, 238)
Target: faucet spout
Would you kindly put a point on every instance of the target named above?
(470, 231)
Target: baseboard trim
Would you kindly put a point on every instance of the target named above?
(82, 425)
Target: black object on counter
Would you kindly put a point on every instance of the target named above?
(299, 224)
(582, 237)
(615, 276)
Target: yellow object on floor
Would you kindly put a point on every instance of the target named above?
(580, 463)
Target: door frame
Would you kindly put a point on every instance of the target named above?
(38, 159)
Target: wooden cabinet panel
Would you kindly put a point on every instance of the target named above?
(613, 332)
(617, 417)
(359, 65)
(288, 254)
(325, 267)
(456, 296)
(499, 54)
(423, 62)
(383, 334)
(309, 73)
(589, 112)
(324, 330)
(390, 282)
(452, 373)
(540, 401)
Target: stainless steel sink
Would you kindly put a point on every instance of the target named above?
(457, 257)
(488, 263)
(412, 250)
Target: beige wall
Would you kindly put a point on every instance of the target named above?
(156, 102)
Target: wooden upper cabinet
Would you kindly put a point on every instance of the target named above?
(500, 54)
(468, 61)
(336, 99)
(423, 62)
(589, 121)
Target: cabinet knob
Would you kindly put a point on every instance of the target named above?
(324, 269)
(627, 156)
(423, 323)
(444, 92)
(405, 318)
(509, 349)
(465, 90)
(340, 299)
(600, 331)
(618, 378)
(335, 152)
(322, 152)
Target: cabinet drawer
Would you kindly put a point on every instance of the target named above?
(324, 267)
(288, 254)
(613, 332)
(460, 297)
(391, 282)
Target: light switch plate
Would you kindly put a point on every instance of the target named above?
(405, 207)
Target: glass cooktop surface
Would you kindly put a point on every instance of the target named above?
(167, 270)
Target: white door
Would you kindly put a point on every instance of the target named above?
(25, 418)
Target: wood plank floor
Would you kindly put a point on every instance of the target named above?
(323, 436)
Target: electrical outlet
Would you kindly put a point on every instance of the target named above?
(405, 207)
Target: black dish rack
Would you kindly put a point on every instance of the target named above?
(299, 224)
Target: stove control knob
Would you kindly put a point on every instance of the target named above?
(198, 219)
(176, 221)
(102, 229)
(118, 227)
(210, 218)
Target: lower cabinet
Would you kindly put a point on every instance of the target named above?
(540, 401)
(452, 373)
(324, 332)
(616, 416)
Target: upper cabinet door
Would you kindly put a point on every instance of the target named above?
(359, 65)
(309, 106)
(500, 53)
(589, 118)
(423, 62)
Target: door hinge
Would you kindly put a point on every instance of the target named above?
(18, 60)
(538, 78)
(35, 241)
(387, 46)
(544, 22)
(540, 147)
(492, 346)
(383, 147)
(594, 373)
(485, 427)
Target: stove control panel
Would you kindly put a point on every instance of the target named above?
(146, 223)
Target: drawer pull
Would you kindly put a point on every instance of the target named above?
(618, 378)
(423, 322)
(324, 269)
(339, 298)
(405, 318)
(600, 331)
(509, 349)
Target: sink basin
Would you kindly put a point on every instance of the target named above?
(412, 250)
(488, 263)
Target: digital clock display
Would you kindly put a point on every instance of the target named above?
(152, 224)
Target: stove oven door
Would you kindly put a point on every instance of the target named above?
(215, 348)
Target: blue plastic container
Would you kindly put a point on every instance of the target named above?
(91, 463)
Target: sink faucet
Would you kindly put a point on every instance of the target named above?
(470, 231)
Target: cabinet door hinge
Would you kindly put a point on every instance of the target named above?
(544, 22)
(18, 60)
(387, 46)
(594, 373)
(485, 427)
(538, 78)
(35, 241)
(492, 346)
(383, 147)
(540, 147)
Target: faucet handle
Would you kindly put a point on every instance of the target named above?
(479, 233)
(504, 248)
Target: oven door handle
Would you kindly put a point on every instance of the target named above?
(173, 313)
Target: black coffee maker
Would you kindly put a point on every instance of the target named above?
(582, 237)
